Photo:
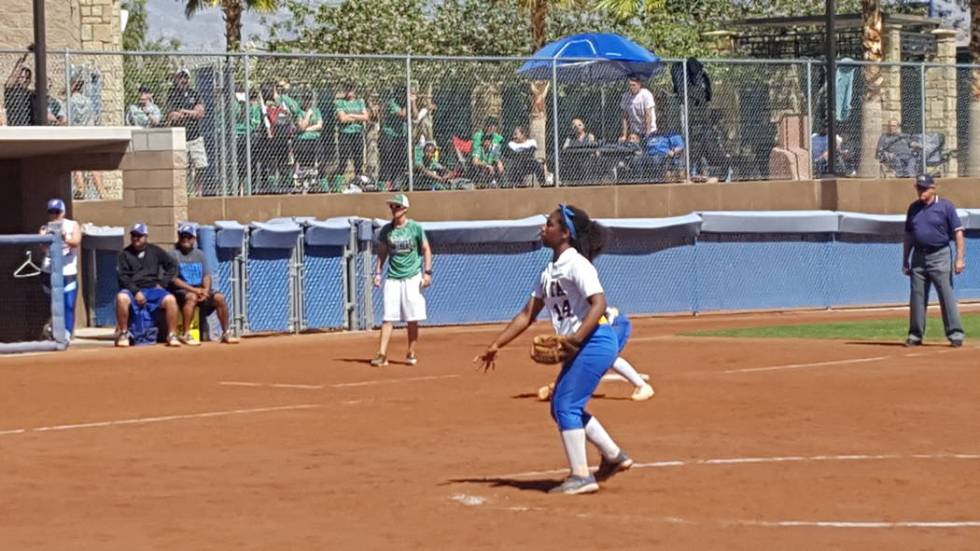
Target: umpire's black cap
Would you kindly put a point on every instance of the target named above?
(924, 181)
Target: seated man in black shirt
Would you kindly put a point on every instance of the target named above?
(144, 272)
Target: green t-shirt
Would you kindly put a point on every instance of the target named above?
(352, 107)
(486, 157)
(404, 246)
(291, 105)
(395, 126)
(478, 140)
(254, 119)
(315, 118)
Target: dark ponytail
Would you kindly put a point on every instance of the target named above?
(589, 236)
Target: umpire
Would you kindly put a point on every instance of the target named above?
(930, 224)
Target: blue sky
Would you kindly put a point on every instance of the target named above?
(205, 31)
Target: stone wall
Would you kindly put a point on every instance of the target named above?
(941, 93)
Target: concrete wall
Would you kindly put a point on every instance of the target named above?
(641, 201)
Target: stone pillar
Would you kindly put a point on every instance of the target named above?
(941, 93)
(891, 88)
(100, 31)
(722, 43)
(155, 182)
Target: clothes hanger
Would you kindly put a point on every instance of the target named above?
(19, 273)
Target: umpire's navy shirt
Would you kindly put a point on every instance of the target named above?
(932, 225)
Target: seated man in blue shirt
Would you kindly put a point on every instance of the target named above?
(668, 150)
(192, 286)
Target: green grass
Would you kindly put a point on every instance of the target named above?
(888, 330)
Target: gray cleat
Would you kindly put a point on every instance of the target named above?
(576, 485)
(607, 468)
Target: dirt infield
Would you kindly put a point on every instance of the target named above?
(297, 443)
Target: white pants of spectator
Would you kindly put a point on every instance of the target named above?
(403, 299)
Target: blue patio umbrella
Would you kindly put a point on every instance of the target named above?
(591, 57)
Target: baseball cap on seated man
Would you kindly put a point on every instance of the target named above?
(924, 181)
(138, 228)
(400, 199)
(56, 205)
(187, 229)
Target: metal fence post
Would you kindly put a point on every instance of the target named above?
(248, 134)
(232, 121)
(554, 122)
(922, 110)
(221, 125)
(67, 87)
(809, 115)
(409, 117)
(687, 126)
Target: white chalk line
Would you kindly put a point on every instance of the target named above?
(393, 381)
(763, 460)
(832, 362)
(160, 419)
(338, 385)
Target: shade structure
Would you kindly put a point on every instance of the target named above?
(591, 57)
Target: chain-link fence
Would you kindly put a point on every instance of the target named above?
(316, 123)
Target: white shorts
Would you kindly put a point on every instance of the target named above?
(197, 155)
(404, 300)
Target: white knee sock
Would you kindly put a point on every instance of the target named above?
(624, 368)
(601, 439)
(574, 443)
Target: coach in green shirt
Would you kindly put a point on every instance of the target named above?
(402, 242)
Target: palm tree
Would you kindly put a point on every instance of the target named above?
(973, 160)
(871, 28)
(232, 11)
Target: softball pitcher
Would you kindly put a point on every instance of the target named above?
(571, 291)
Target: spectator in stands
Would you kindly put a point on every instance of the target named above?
(821, 155)
(520, 156)
(309, 125)
(394, 135)
(486, 161)
(18, 93)
(667, 152)
(57, 115)
(71, 235)
(429, 173)
(185, 108)
(352, 114)
(249, 122)
(83, 114)
(898, 151)
(144, 272)
(639, 110)
(580, 137)
(283, 99)
(144, 113)
(192, 287)
(490, 128)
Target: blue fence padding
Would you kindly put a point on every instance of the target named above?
(268, 289)
(808, 221)
(281, 235)
(525, 230)
(660, 231)
(640, 275)
(866, 269)
(972, 221)
(106, 288)
(365, 228)
(746, 271)
(323, 286)
(229, 234)
(476, 283)
(291, 219)
(334, 232)
(967, 284)
(103, 238)
(871, 224)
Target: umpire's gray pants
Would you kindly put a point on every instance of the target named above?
(933, 269)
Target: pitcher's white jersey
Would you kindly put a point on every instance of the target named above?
(565, 287)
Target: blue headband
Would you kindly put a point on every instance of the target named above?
(567, 215)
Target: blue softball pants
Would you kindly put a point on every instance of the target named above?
(580, 377)
(623, 329)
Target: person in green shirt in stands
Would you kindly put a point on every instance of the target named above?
(351, 113)
(250, 122)
(403, 244)
(491, 128)
(284, 100)
(394, 137)
(486, 161)
(429, 174)
(309, 124)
